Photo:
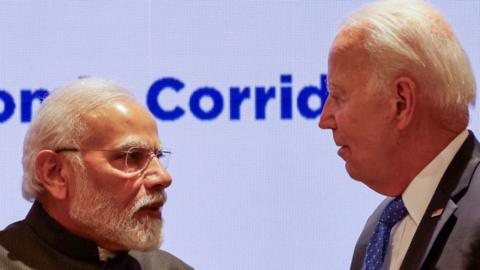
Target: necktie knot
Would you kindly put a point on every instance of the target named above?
(394, 212)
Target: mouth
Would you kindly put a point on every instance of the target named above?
(153, 210)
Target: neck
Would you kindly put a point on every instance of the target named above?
(415, 152)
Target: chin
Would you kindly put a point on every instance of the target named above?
(146, 236)
(383, 188)
(147, 247)
(374, 185)
(353, 174)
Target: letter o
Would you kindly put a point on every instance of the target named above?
(9, 106)
(216, 97)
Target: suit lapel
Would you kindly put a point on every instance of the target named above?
(447, 212)
(443, 204)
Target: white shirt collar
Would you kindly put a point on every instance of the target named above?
(419, 192)
(105, 254)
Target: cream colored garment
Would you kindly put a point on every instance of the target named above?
(416, 198)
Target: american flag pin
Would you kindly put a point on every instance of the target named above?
(437, 213)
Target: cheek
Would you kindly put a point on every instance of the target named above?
(349, 123)
(128, 190)
(359, 133)
(113, 182)
(341, 118)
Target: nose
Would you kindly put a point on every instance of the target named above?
(156, 175)
(327, 119)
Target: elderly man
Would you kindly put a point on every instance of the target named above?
(93, 165)
(400, 85)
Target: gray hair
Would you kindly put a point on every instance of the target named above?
(58, 123)
(410, 37)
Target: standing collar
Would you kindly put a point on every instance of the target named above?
(58, 237)
(420, 191)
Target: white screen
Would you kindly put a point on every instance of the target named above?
(248, 193)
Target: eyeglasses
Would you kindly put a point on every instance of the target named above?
(133, 160)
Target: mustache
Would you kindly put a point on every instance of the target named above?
(156, 199)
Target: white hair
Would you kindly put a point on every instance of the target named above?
(58, 123)
(410, 37)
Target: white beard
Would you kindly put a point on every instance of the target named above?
(99, 213)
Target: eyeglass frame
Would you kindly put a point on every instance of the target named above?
(158, 153)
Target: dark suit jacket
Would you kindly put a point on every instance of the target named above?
(446, 241)
(39, 242)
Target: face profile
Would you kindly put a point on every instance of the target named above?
(360, 116)
(129, 207)
(400, 84)
(96, 172)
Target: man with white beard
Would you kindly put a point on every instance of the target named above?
(96, 171)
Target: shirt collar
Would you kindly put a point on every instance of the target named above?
(59, 237)
(105, 254)
(419, 192)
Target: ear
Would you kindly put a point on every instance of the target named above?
(405, 97)
(48, 167)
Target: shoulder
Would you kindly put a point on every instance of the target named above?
(7, 261)
(466, 193)
(14, 233)
(159, 259)
(13, 240)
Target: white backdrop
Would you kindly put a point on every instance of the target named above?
(249, 193)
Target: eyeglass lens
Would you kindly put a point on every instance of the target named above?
(136, 159)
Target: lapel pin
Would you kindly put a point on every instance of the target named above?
(437, 213)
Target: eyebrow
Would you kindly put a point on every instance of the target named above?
(335, 89)
(132, 142)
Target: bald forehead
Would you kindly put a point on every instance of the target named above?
(122, 118)
(350, 38)
(349, 46)
(118, 107)
(348, 62)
